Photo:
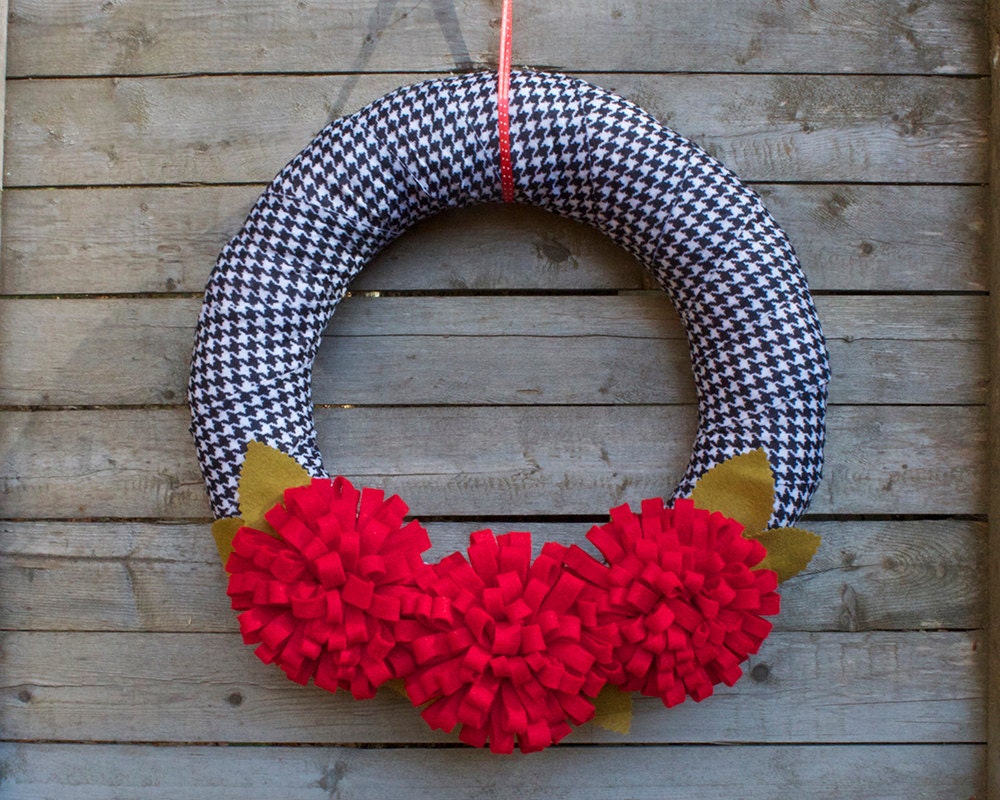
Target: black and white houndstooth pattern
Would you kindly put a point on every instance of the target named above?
(757, 350)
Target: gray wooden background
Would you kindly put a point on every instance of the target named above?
(495, 366)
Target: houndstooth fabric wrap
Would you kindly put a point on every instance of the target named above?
(757, 349)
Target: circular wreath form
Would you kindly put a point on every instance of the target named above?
(760, 369)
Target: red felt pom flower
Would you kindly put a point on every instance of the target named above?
(501, 645)
(324, 597)
(679, 590)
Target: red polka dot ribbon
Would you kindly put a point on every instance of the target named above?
(503, 102)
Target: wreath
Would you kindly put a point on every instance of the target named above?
(512, 647)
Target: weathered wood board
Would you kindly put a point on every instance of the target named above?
(488, 460)
(993, 577)
(97, 38)
(122, 351)
(241, 129)
(753, 772)
(878, 238)
(147, 576)
(498, 367)
(823, 687)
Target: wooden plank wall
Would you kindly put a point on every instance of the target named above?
(496, 366)
(993, 344)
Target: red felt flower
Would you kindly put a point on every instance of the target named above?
(679, 590)
(324, 597)
(501, 645)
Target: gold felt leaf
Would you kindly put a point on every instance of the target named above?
(396, 685)
(742, 488)
(789, 550)
(223, 531)
(265, 475)
(613, 710)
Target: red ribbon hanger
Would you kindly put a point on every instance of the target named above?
(503, 102)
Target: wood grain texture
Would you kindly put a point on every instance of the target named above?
(131, 576)
(3, 71)
(461, 350)
(165, 239)
(993, 776)
(197, 687)
(238, 129)
(486, 461)
(759, 772)
(94, 38)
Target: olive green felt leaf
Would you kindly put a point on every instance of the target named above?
(396, 685)
(742, 488)
(789, 550)
(223, 531)
(265, 475)
(613, 710)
